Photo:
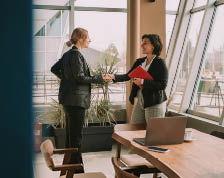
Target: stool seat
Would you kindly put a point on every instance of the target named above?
(133, 160)
(87, 175)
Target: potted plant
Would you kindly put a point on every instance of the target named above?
(54, 119)
(99, 121)
(99, 118)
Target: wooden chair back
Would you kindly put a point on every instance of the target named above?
(47, 149)
(119, 173)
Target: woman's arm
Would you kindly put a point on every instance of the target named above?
(124, 77)
(78, 70)
(57, 69)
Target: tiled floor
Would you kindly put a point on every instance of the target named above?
(93, 162)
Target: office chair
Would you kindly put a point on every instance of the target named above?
(133, 162)
(119, 172)
(67, 170)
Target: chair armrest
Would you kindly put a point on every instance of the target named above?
(67, 167)
(65, 150)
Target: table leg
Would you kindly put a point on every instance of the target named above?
(118, 153)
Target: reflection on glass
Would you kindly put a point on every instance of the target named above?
(187, 58)
(49, 35)
(102, 3)
(172, 5)
(170, 19)
(199, 3)
(50, 2)
(49, 23)
(210, 94)
(105, 35)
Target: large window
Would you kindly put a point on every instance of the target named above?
(210, 94)
(196, 83)
(187, 57)
(102, 3)
(48, 36)
(171, 6)
(170, 19)
(199, 3)
(103, 36)
(50, 2)
(51, 31)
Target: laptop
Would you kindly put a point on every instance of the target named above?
(164, 131)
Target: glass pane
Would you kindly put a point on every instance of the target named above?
(199, 3)
(187, 58)
(52, 44)
(49, 22)
(48, 47)
(38, 43)
(102, 3)
(104, 35)
(39, 61)
(50, 2)
(172, 5)
(170, 19)
(210, 94)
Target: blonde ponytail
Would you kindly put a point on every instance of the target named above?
(78, 33)
(69, 43)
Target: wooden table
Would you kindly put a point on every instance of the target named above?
(202, 158)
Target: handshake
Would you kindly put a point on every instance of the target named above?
(108, 77)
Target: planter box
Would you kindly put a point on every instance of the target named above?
(47, 130)
(94, 138)
(97, 138)
(59, 134)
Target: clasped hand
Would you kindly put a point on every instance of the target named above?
(137, 81)
(108, 77)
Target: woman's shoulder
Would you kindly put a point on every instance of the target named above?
(75, 53)
(140, 60)
(160, 60)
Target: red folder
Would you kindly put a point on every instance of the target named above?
(140, 72)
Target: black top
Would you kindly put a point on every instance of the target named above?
(75, 85)
(153, 91)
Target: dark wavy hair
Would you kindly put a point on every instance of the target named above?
(155, 41)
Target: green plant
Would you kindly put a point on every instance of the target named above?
(54, 116)
(100, 108)
(101, 111)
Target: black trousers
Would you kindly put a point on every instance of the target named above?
(74, 123)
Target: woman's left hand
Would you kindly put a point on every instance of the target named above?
(137, 81)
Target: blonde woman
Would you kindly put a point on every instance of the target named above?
(75, 88)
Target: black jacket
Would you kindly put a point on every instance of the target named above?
(153, 90)
(75, 85)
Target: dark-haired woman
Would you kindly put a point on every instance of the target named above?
(75, 89)
(150, 93)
